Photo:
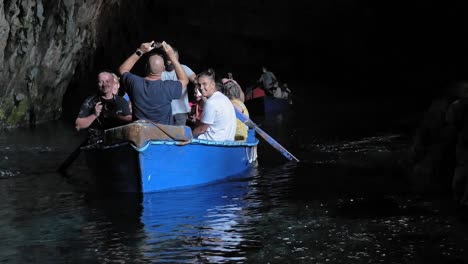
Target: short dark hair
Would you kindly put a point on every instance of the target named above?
(208, 73)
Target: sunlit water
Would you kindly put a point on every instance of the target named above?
(347, 201)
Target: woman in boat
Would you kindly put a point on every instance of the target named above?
(241, 93)
(232, 91)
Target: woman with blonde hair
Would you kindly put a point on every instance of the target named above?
(232, 91)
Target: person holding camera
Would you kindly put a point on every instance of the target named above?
(104, 110)
(151, 97)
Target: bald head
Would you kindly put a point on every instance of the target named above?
(155, 64)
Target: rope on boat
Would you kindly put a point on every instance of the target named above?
(203, 142)
(253, 154)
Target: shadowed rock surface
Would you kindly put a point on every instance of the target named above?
(41, 45)
(51, 51)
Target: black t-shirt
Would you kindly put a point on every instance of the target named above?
(110, 108)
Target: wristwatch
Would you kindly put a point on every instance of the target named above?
(138, 53)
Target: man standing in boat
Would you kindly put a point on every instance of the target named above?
(268, 81)
(104, 110)
(151, 97)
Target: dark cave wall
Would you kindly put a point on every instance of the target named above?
(42, 43)
(237, 36)
(51, 51)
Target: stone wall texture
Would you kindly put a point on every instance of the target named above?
(41, 44)
(52, 50)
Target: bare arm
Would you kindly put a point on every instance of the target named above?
(192, 78)
(85, 122)
(126, 119)
(130, 62)
(200, 129)
(181, 75)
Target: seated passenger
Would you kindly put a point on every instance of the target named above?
(277, 93)
(241, 93)
(196, 107)
(117, 88)
(232, 91)
(103, 110)
(218, 120)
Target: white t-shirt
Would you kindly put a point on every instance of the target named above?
(218, 112)
(179, 106)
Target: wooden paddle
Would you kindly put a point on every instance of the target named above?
(72, 157)
(246, 120)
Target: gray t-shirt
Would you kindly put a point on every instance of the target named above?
(181, 105)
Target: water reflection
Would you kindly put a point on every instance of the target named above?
(348, 201)
(203, 223)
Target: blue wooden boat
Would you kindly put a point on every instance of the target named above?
(146, 157)
(275, 105)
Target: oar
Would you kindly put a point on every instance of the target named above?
(246, 120)
(72, 157)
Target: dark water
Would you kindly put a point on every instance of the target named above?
(348, 201)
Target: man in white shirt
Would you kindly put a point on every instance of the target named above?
(218, 120)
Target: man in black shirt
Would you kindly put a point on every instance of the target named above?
(103, 110)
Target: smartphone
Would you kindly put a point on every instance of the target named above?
(156, 45)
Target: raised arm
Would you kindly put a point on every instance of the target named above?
(130, 62)
(192, 78)
(181, 76)
(200, 129)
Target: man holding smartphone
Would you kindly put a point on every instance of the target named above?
(151, 97)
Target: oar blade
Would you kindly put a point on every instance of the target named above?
(246, 120)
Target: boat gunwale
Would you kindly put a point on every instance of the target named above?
(177, 143)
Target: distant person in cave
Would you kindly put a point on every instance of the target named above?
(180, 107)
(150, 95)
(104, 110)
(268, 81)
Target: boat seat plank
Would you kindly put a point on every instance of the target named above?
(142, 131)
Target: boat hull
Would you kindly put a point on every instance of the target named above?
(163, 165)
(267, 105)
(275, 105)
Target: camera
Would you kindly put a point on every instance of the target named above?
(108, 106)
